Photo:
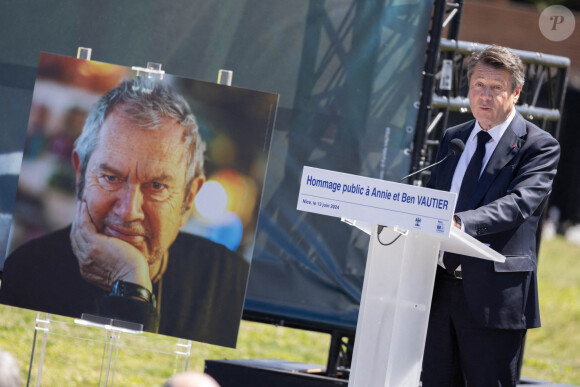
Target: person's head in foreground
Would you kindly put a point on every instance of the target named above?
(191, 379)
(9, 373)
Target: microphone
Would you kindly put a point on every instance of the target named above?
(456, 147)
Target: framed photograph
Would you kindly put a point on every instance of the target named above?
(138, 198)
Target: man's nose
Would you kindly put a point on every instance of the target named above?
(129, 205)
(486, 93)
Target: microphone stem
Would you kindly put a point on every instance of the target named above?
(427, 167)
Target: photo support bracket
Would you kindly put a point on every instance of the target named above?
(225, 77)
(84, 53)
(153, 70)
(109, 323)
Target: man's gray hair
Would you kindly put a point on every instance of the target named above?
(147, 103)
(499, 58)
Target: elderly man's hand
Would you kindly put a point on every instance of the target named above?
(103, 259)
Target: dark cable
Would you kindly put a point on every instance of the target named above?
(379, 230)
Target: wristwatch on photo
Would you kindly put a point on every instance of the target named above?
(129, 289)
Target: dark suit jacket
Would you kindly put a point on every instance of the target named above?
(509, 200)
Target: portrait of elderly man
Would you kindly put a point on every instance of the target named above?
(138, 165)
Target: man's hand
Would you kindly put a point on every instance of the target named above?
(103, 259)
(457, 222)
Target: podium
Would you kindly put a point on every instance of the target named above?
(400, 269)
(396, 300)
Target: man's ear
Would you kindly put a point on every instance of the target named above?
(517, 92)
(188, 203)
(76, 161)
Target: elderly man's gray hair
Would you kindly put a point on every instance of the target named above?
(147, 103)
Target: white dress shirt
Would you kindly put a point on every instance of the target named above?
(470, 146)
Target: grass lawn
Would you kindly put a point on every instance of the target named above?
(553, 351)
(78, 356)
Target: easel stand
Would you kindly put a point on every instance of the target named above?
(103, 354)
(396, 300)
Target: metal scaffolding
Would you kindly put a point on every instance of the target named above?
(541, 100)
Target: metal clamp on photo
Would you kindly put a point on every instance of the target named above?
(84, 53)
(153, 70)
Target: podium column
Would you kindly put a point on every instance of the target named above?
(394, 309)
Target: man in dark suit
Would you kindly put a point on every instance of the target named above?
(481, 309)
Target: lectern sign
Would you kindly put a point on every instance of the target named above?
(376, 201)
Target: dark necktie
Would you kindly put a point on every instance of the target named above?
(468, 186)
(471, 177)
